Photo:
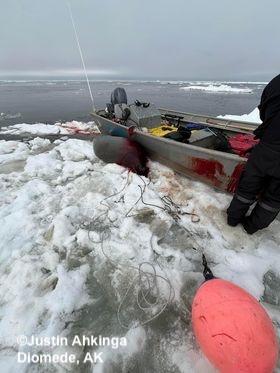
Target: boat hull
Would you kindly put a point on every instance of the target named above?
(218, 169)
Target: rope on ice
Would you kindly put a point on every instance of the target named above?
(146, 282)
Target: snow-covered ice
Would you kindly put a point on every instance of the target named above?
(49, 129)
(254, 117)
(56, 278)
(217, 88)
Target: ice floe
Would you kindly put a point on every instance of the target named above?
(254, 117)
(49, 129)
(4, 116)
(217, 88)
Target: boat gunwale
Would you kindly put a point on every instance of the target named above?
(253, 125)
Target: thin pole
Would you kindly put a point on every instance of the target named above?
(81, 53)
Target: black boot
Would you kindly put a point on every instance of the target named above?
(261, 217)
(232, 222)
(237, 210)
(248, 225)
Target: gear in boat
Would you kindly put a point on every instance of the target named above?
(146, 117)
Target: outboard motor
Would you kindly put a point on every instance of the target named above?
(143, 114)
(118, 106)
(118, 96)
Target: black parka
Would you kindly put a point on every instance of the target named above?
(269, 130)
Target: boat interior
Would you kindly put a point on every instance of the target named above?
(219, 135)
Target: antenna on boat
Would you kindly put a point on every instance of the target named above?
(80, 51)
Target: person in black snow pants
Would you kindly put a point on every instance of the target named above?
(260, 180)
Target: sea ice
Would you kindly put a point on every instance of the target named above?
(216, 88)
(254, 117)
(73, 233)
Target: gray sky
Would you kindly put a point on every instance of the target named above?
(165, 39)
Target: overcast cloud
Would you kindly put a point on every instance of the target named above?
(175, 39)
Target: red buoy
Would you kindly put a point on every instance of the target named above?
(233, 329)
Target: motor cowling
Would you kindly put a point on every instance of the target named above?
(118, 96)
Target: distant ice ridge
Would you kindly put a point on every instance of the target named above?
(216, 88)
(206, 83)
(254, 116)
(179, 82)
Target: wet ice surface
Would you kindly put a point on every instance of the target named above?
(58, 201)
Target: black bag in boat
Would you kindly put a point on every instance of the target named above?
(181, 135)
